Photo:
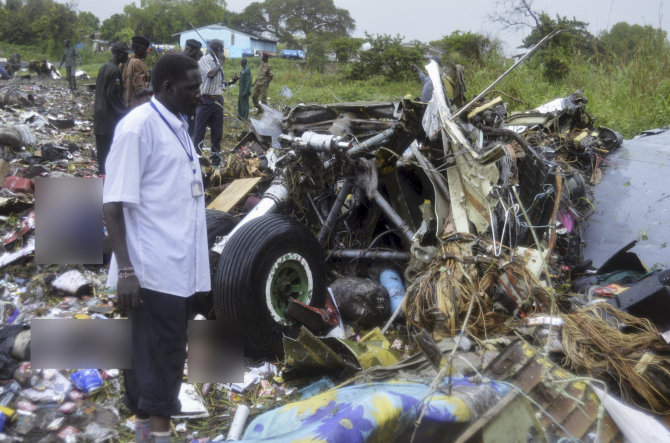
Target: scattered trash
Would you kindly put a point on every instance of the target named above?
(421, 260)
(192, 405)
(73, 283)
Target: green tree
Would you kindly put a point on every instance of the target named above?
(112, 26)
(387, 57)
(318, 16)
(466, 46)
(58, 24)
(88, 23)
(316, 46)
(159, 20)
(559, 52)
(346, 49)
(288, 20)
(623, 40)
(22, 14)
(206, 12)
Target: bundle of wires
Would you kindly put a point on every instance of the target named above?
(437, 300)
(612, 345)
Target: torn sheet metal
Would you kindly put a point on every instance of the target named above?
(470, 183)
(632, 202)
(571, 408)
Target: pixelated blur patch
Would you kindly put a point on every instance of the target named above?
(215, 353)
(80, 344)
(68, 220)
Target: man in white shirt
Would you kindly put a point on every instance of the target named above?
(155, 214)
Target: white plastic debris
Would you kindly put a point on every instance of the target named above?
(237, 426)
(253, 376)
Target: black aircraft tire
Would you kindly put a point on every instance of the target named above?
(268, 261)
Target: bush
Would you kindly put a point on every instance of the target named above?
(388, 58)
(316, 47)
(346, 49)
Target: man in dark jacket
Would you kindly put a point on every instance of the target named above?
(109, 105)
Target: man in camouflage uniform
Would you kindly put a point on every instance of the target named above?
(70, 56)
(262, 83)
(135, 77)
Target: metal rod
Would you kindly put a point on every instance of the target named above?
(334, 211)
(423, 161)
(316, 210)
(373, 254)
(524, 57)
(371, 142)
(275, 194)
(393, 216)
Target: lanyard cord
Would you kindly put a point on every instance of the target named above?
(188, 151)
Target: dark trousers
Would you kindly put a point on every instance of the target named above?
(243, 107)
(160, 325)
(209, 113)
(71, 79)
(102, 144)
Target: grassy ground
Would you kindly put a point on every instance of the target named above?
(626, 96)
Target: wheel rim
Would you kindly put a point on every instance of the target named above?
(290, 277)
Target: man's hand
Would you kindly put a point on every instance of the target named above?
(128, 293)
(214, 71)
(415, 68)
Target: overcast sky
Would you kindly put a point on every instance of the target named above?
(427, 20)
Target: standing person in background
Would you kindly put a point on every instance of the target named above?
(427, 90)
(192, 49)
(210, 110)
(109, 105)
(262, 83)
(245, 91)
(135, 75)
(70, 56)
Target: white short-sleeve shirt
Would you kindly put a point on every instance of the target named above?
(149, 171)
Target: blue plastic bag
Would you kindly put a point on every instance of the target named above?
(87, 380)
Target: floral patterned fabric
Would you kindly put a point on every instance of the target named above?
(381, 412)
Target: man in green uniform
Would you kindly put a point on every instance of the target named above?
(245, 91)
(109, 105)
(262, 83)
(70, 56)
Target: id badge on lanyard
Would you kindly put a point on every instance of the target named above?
(196, 184)
(196, 188)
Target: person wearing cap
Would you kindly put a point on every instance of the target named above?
(245, 91)
(262, 83)
(135, 76)
(210, 110)
(70, 56)
(109, 105)
(193, 49)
